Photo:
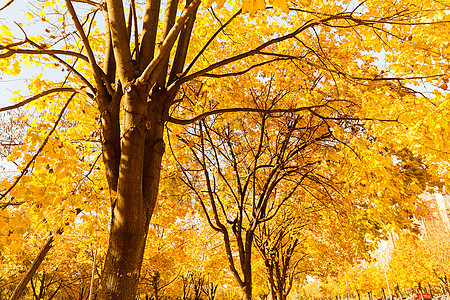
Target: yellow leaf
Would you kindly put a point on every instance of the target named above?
(208, 3)
(283, 5)
(219, 3)
(29, 16)
(305, 3)
(253, 6)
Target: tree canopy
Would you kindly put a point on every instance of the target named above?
(339, 105)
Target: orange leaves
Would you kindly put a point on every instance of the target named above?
(10, 67)
(336, 67)
(253, 6)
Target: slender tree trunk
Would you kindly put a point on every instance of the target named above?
(271, 282)
(247, 268)
(280, 284)
(247, 292)
(280, 295)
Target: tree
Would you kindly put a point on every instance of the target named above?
(279, 245)
(248, 170)
(135, 68)
(244, 171)
(418, 262)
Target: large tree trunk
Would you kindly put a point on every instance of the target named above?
(137, 189)
(137, 168)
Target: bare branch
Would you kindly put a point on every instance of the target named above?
(20, 288)
(242, 109)
(90, 2)
(210, 41)
(11, 52)
(241, 56)
(40, 47)
(45, 93)
(211, 75)
(6, 5)
(98, 72)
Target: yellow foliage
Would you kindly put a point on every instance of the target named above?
(363, 76)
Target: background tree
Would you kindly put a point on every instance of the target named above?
(279, 245)
(420, 262)
(244, 172)
(242, 177)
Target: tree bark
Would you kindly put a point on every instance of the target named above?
(247, 292)
(139, 173)
(128, 223)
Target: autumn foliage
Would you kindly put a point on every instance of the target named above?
(167, 148)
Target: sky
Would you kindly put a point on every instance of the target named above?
(9, 84)
(15, 13)
(8, 16)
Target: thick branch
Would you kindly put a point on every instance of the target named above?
(149, 29)
(182, 47)
(118, 27)
(242, 109)
(169, 41)
(109, 67)
(169, 20)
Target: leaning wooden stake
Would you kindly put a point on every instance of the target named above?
(32, 270)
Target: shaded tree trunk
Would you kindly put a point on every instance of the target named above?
(247, 292)
(139, 173)
(133, 170)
